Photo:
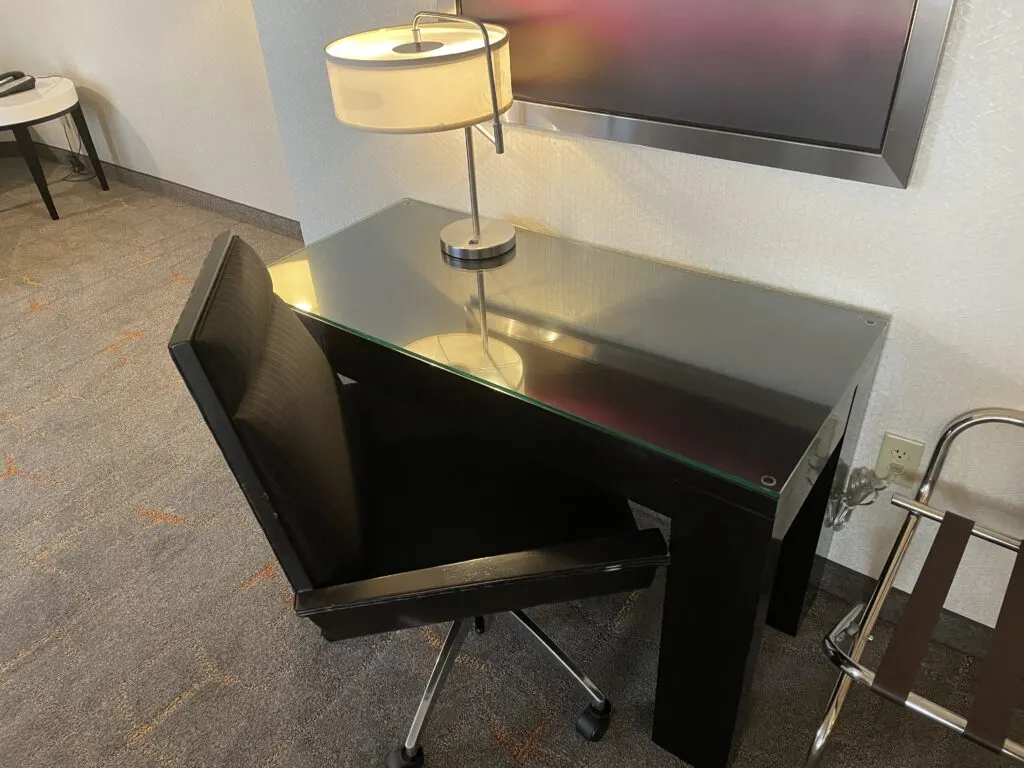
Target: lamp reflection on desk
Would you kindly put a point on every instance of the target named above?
(293, 281)
(498, 364)
(479, 355)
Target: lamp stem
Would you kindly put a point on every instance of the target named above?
(474, 206)
(499, 137)
(482, 299)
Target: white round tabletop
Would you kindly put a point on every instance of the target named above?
(51, 96)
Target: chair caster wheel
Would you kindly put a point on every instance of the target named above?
(401, 758)
(593, 723)
(480, 624)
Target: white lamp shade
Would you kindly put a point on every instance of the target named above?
(382, 81)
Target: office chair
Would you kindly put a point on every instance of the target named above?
(988, 721)
(337, 476)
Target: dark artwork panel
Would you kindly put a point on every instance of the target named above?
(820, 71)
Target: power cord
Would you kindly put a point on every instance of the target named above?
(79, 171)
(75, 158)
(862, 490)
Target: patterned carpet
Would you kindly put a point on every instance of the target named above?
(144, 622)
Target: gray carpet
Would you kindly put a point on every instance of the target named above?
(144, 622)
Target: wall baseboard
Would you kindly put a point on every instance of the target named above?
(230, 208)
(953, 631)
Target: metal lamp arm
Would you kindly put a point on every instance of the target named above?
(498, 138)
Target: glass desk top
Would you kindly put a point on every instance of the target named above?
(732, 378)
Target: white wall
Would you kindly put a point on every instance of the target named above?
(945, 257)
(174, 89)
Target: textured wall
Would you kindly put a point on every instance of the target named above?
(944, 257)
(173, 89)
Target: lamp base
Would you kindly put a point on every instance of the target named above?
(497, 238)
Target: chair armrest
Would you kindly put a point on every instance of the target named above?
(489, 584)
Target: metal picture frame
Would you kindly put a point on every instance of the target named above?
(891, 166)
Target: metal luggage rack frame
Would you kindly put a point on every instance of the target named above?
(988, 721)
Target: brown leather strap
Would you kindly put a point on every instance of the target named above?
(903, 657)
(988, 722)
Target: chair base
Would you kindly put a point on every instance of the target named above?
(402, 758)
(592, 724)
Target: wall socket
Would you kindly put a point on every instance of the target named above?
(899, 459)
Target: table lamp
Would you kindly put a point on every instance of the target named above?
(423, 78)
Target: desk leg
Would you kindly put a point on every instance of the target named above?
(799, 562)
(716, 598)
(90, 148)
(28, 151)
(807, 542)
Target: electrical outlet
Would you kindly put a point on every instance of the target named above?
(899, 459)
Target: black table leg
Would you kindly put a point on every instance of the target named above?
(716, 598)
(806, 545)
(28, 151)
(90, 148)
(802, 553)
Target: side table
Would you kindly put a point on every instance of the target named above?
(53, 97)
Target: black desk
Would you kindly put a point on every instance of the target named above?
(732, 408)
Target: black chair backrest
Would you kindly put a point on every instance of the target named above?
(271, 400)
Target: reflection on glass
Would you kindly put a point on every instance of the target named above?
(498, 363)
(293, 281)
(480, 355)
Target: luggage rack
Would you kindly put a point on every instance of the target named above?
(987, 723)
